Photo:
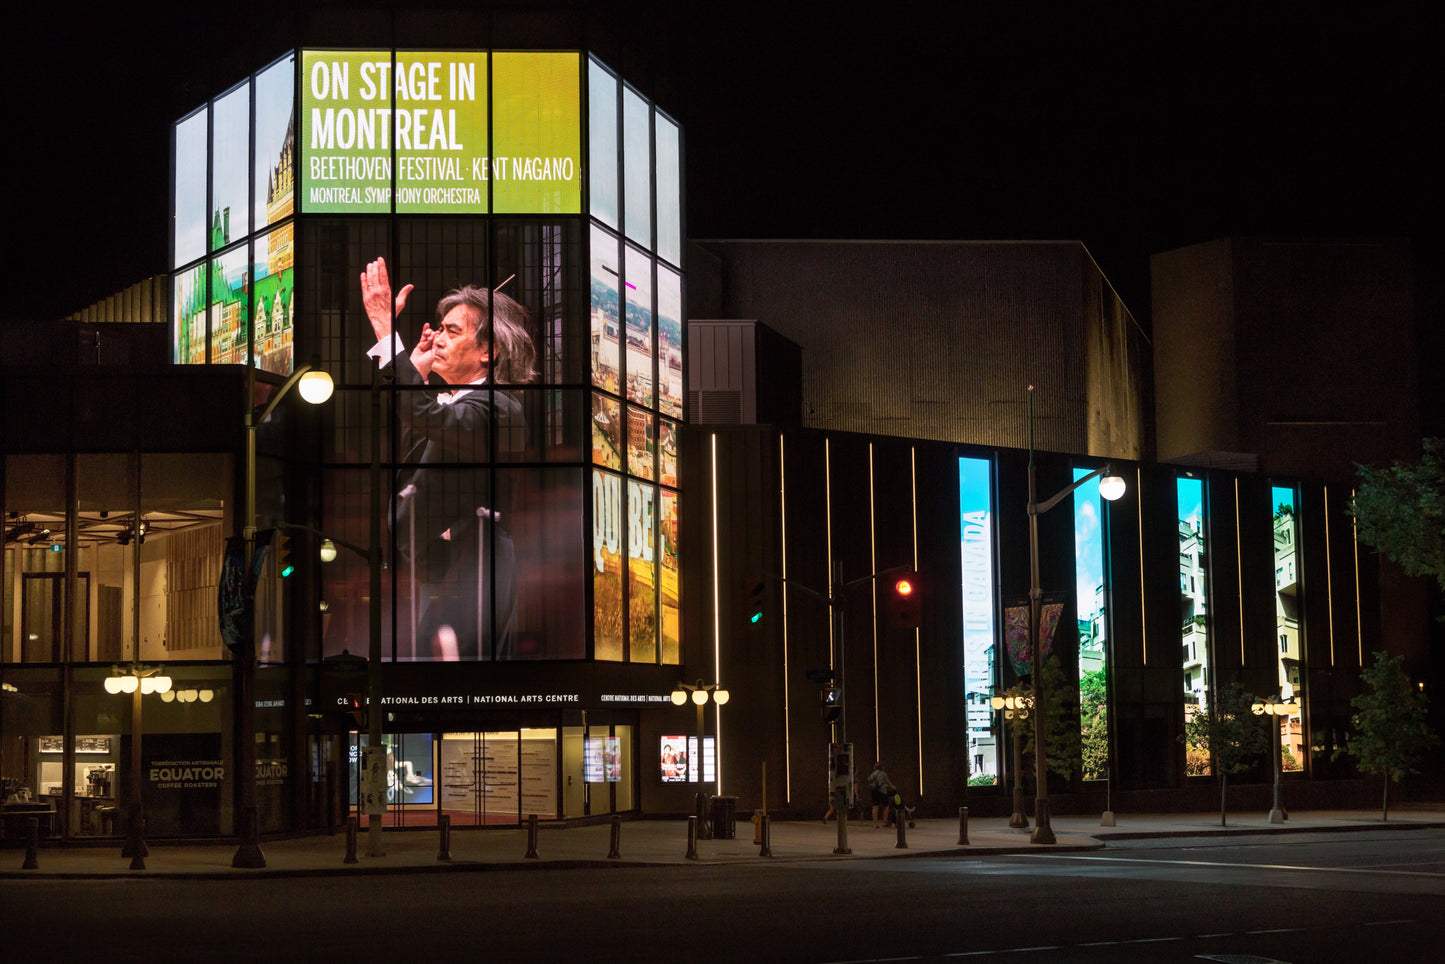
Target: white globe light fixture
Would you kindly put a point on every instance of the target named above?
(328, 550)
(1111, 487)
(315, 386)
(679, 697)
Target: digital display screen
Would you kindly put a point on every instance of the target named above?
(675, 759)
(273, 187)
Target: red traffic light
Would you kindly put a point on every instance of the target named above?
(905, 602)
(904, 587)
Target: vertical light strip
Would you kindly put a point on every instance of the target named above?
(918, 632)
(828, 522)
(787, 717)
(716, 633)
(873, 592)
(1329, 578)
(1239, 569)
(1359, 632)
(1143, 622)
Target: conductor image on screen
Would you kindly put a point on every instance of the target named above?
(452, 523)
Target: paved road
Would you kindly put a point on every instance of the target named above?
(1305, 898)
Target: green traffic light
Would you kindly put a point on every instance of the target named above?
(756, 617)
(287, 570)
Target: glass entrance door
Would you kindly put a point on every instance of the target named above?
(479, 778)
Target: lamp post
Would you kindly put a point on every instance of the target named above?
(316, 387)
(1111, 487)
(699, 693)
(1278, 708)
(138, 681)
(1015, 704)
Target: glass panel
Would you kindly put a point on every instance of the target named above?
(979, 621)
(273, 276)
(188, 321)
(641, 572)
(607, 565)
(669, 341)
(329, 298)
(105, 521)
(230, 167)
(540, 265)
(440, 122)
(181, 538)
(1287, 623)
(637, 167)
(622, 741)
(669, 191)
(602, 143)
(189, 237)
(536, 133)
(479, 777)
(35, 559)
(668, 438)
(537, 552)
(185, 757)
(33, 699)
(1093, 641)
(641, 444)
(274, 169)
(230, 307)
(346, 131)
(537, 771)
(640, 349)
(606, 315)
(606, 431)
(671, 595)
(1193, 575)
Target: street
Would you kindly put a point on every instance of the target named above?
(1314, 897)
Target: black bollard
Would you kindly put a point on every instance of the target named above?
(138, 849)
(531, 836)
(352, 823)
(444, 835)
(963, 826)
(32, 844)
(765, 825)
(900, 823)
(615, 852)
(692, 838)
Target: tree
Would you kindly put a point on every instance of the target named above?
(1061, 722)
(1226, 729)
(1400, 511)
(1389, 735)
(1094, 724)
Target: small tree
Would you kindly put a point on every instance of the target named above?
(1061, 722)
(1227, 729)
(1389, 736)
(1401, 511)
(1094, 724)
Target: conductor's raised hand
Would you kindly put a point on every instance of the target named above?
(376, 298)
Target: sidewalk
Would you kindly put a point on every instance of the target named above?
(664, 842)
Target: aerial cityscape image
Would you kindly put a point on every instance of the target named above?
(817, 482)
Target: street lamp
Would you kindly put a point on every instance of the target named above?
(138, 681)
(1015, 704)
(699, 692)
(1111, 487)
(316, 388)
(1281, 707)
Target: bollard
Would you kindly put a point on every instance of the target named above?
(615, 850)
(691, 838)
(900, 823)
(963, 826)
(444, 834)
(765, 826)
(531, 836)
(352, 823)
(138, 849)
(32, 844)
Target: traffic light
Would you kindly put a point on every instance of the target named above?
(905, 601)
(754, 589)
(354, 706)
(283, 555)
(832, 703)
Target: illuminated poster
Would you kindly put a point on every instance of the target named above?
(606, 311)
(433, 106)
(536, 133)
(639, 327)
(230, 167)
(273, 170)
(273, 278)
(669, 341)
(189, 239)
(230, 309)
(670, 608)
(592, 770)
(612, 758)
(980, 650)
(1093, 635)
(188, 316)
(607, 565)
(642, 572)
(674, 759)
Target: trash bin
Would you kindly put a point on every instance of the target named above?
(724, 818)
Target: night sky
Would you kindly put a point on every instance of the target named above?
(1134, 127)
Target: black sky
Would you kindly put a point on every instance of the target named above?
(1135, 127)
